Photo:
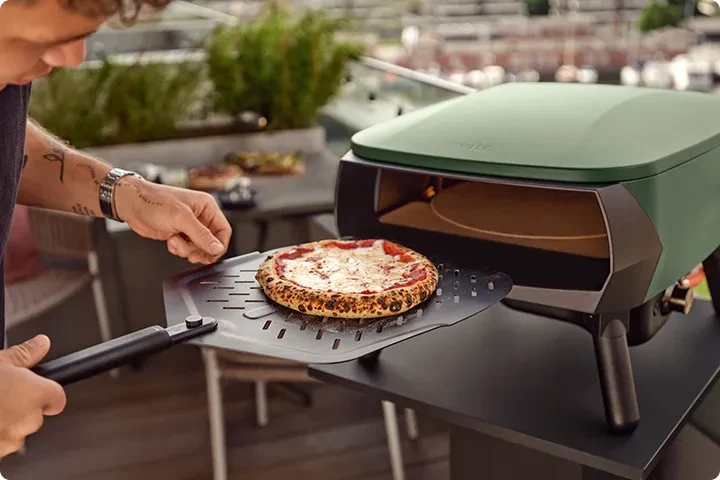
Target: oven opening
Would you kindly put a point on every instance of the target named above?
(555, 231)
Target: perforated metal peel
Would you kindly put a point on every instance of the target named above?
(248, 321)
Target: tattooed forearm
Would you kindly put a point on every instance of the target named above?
(50, 158)
(57, 155)
(91, 170)
(142, 196)
(83, 210)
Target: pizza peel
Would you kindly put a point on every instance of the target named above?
(222, 306)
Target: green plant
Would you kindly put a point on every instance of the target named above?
(148, 101)
(119, 103)
(68, 103)
(282, 66)
(537, 7)
(656, 14)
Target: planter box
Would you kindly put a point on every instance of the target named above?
(190, 152)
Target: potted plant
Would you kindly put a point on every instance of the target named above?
(285, 67)
(118, 110)
(276, 72)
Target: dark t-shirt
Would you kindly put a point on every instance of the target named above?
(13, 120)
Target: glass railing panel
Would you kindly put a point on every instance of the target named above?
(377, 91)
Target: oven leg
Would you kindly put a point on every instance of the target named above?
(616, 377)
(711, 265)
(393, 437)
(217, 427)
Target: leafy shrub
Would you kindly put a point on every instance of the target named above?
(119, 103)
(282, 66)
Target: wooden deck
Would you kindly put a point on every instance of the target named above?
(153, 425)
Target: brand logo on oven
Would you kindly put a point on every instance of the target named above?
(474, 146)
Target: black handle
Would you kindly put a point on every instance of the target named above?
(105, 356)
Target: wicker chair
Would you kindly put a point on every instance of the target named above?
(66, 241)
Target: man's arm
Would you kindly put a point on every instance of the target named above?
(58, 177)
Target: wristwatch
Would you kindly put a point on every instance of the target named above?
(107, 191)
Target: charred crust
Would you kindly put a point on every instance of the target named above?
(350, 306)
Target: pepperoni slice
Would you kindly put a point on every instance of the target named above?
(349, 245)
(295, 253)
(393, 248)
(413, 277)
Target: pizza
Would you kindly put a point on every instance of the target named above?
(359, 279)
(212, 177)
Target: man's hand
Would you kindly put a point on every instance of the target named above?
(190, 222)
(25, 398)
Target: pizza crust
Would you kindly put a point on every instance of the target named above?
(345, 305)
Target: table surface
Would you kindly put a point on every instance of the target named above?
(533, 381)
(309, 193)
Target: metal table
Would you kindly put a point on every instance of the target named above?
(310, 193)
(296, 196)
(522, 397)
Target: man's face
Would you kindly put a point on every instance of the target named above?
(39, 35)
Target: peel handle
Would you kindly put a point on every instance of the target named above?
(105, 356)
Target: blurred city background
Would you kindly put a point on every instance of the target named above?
(264, 97)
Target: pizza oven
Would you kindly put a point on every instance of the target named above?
(575, 192)
(569, 201)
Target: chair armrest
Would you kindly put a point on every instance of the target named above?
(62, 234)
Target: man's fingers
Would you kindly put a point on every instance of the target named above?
(9, 447)
(182, 248)
(26, 427)
(199, 257)
(201, 236)
(179, 246)
(217, 223)
(28, 354)
(54, 398)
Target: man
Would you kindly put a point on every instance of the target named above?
(39, 170)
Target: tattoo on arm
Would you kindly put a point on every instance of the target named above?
(91, 171)
(83, 210)
(57, 155)
(142, 196)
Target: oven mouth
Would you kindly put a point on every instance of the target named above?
(559, 232)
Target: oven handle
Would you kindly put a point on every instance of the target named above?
(122, 350)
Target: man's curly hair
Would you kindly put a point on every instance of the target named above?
(125, 10)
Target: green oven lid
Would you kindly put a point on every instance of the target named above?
(551, 131)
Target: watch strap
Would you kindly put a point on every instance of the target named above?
(107, 192)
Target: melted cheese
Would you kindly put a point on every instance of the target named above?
(355, 270)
